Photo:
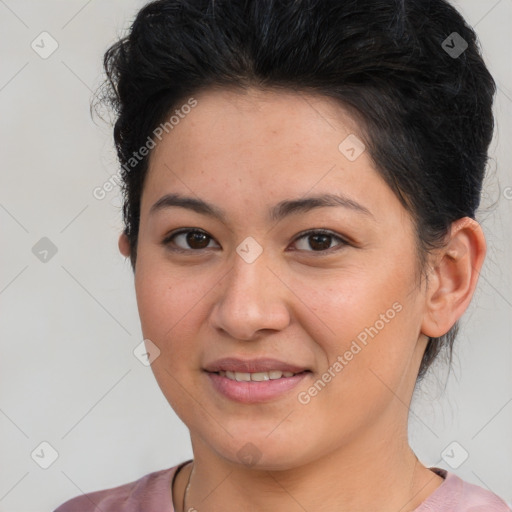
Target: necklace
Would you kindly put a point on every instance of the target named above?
(185, 494)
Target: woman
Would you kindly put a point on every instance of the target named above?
(250, 134)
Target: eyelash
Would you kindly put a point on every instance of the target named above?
(168, 239)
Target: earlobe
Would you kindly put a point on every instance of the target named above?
(454, 277)
(124, 245)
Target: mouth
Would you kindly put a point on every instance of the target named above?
(255, 380)
(262, 367)
(257, 376)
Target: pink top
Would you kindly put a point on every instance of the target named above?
(152, 493)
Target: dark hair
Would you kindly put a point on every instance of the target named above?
(423, 99)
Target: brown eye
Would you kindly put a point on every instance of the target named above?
(188, 240)
(318, 241)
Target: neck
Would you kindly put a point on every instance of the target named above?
(386, 478)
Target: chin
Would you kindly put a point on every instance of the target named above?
(263, 453)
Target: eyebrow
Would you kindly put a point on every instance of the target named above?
(279, 211)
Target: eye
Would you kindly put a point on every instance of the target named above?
(196, 240)
(319, 240)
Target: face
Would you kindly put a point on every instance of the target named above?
(275, 281)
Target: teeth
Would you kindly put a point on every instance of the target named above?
(257, 376)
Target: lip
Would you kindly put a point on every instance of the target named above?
(233, 364)
(254, 392)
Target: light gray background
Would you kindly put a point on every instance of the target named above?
(68, 326)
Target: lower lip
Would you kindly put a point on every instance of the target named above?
(254, 392)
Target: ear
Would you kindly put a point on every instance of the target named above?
(124, 245)
(453, 277)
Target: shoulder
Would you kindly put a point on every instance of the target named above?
(478, 499)
(458, 495)
(152, 492)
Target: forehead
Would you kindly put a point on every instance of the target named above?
(256, 146)
(254, 116)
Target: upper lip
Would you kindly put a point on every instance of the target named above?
(233, 364)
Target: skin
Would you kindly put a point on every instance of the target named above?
(347, 448)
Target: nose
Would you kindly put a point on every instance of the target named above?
(252, 300)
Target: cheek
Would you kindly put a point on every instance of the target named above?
(369, 319)
(168, 306)
(350, 302)
(168, 303)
